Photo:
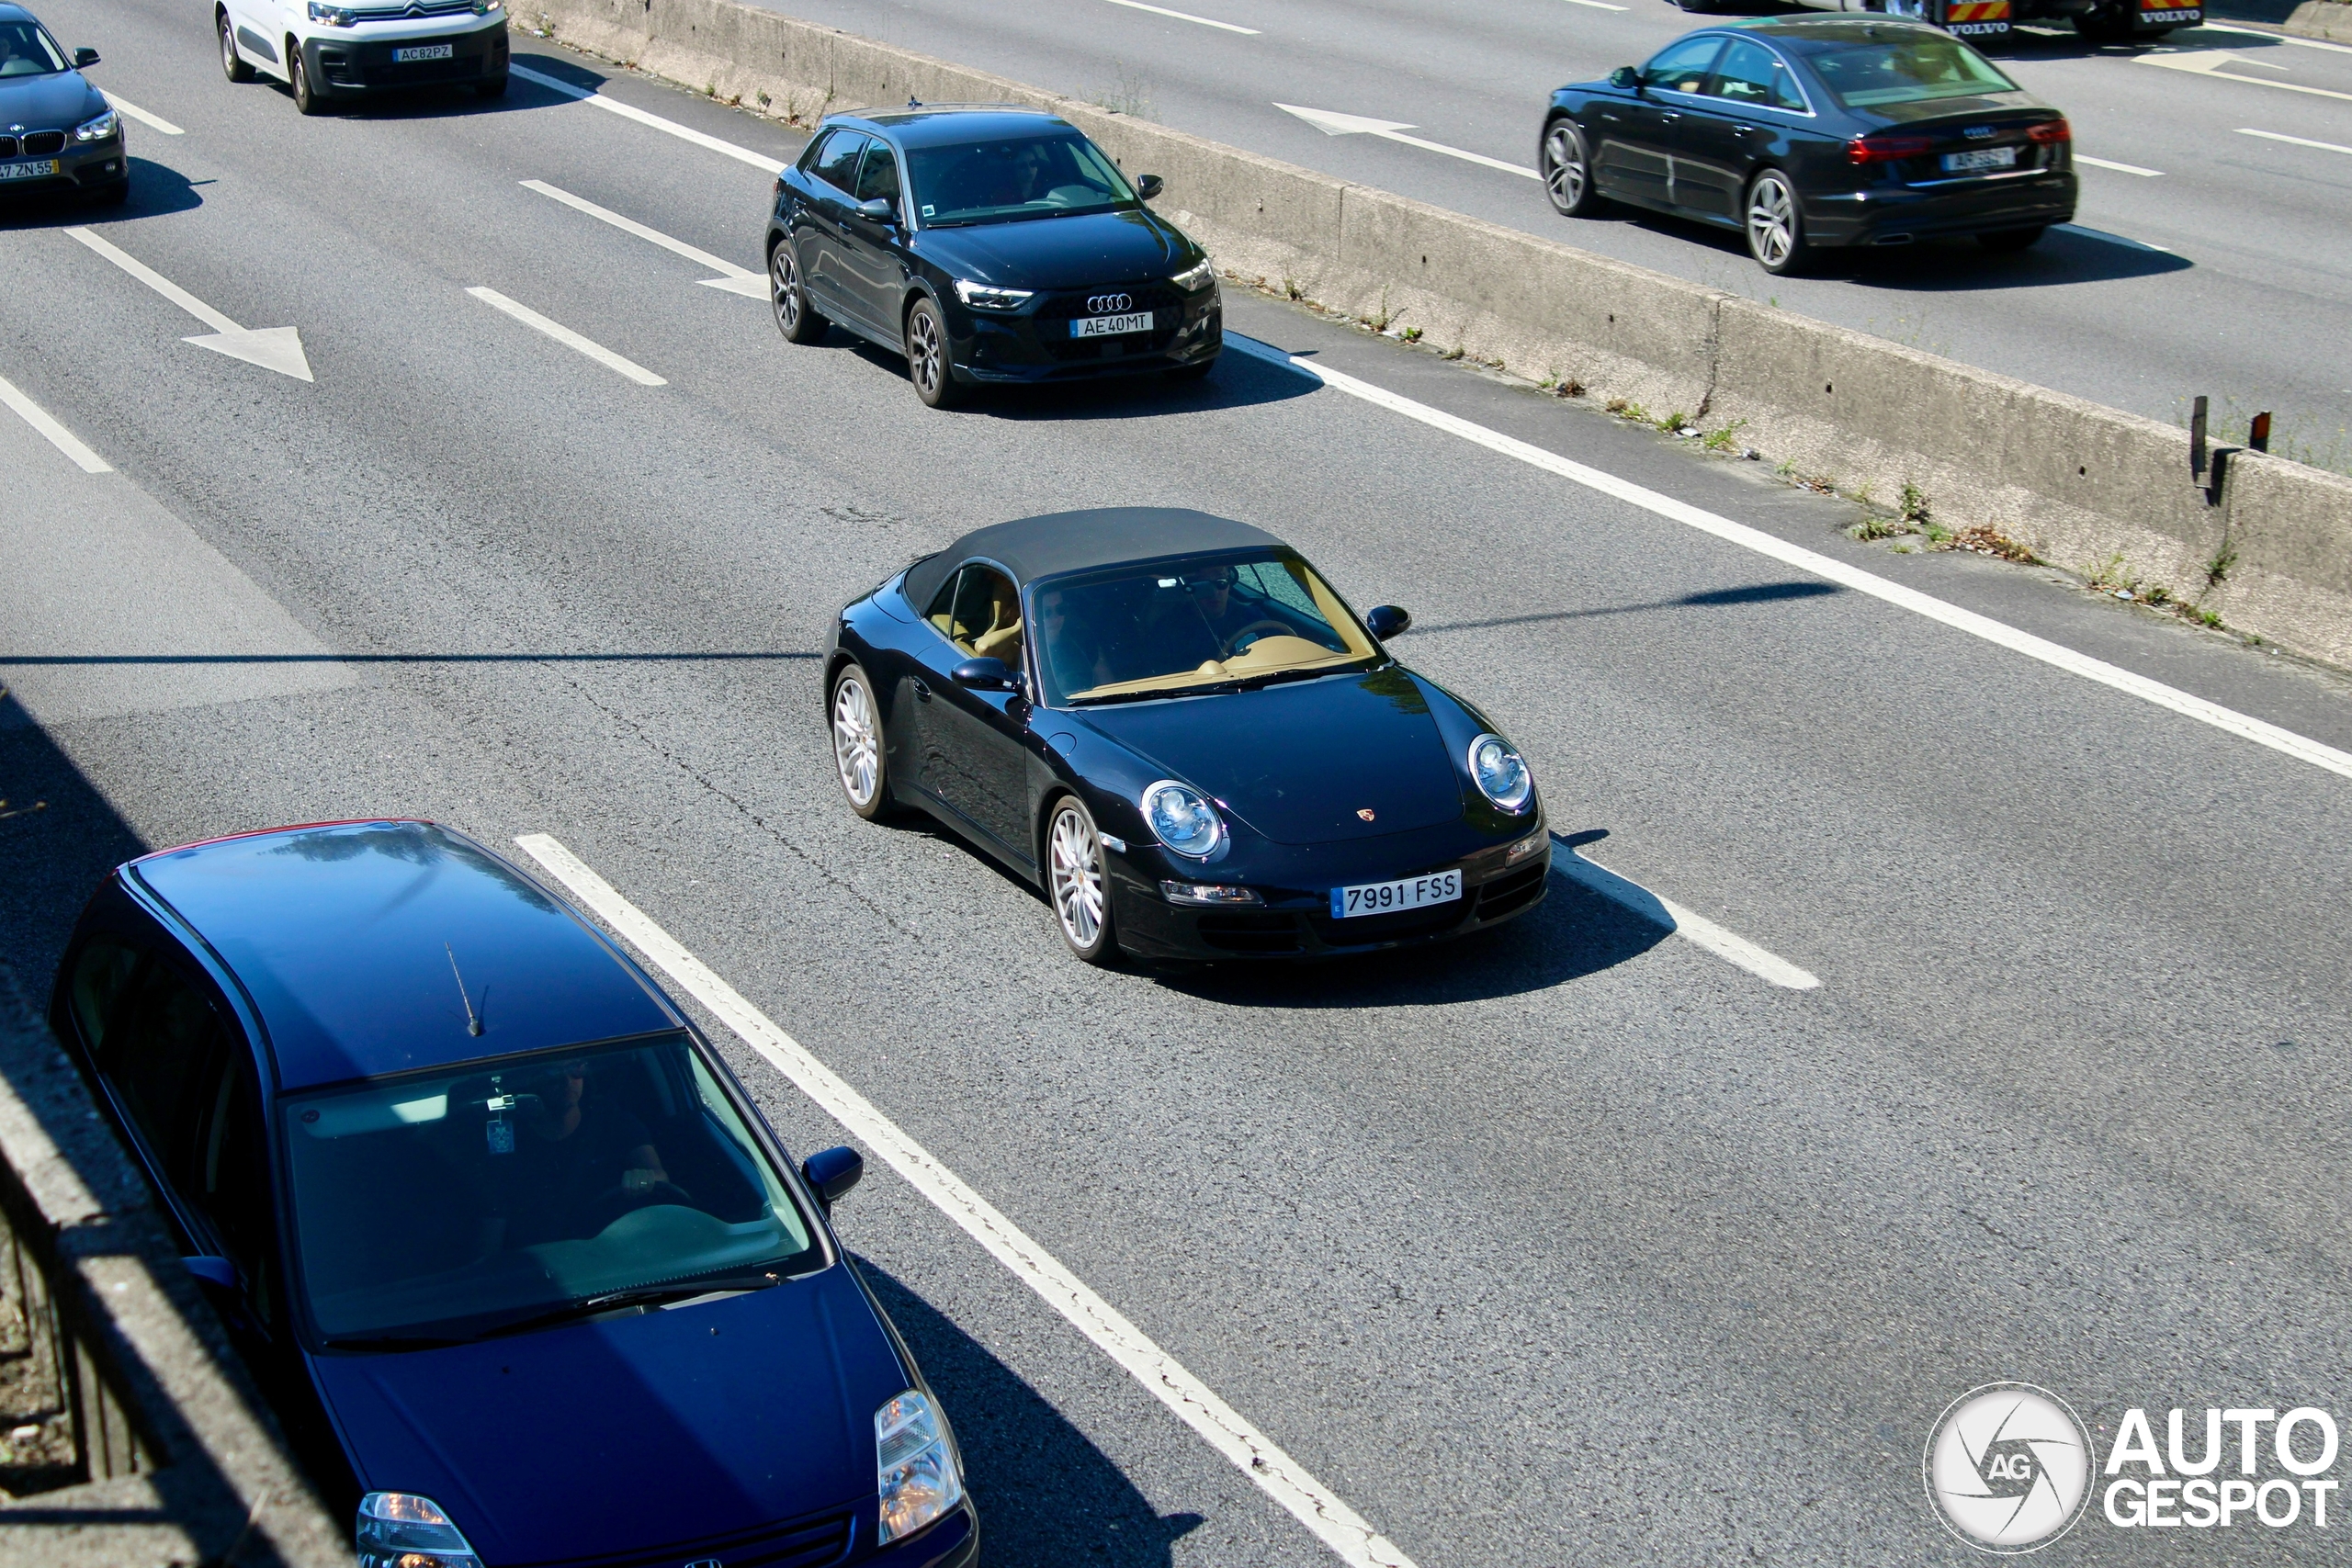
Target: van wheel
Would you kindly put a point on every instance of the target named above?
(307, 98)
(232, 65)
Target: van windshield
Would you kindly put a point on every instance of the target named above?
(443, 1207)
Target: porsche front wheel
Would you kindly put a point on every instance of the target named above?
(858, 751)
(1077, 881)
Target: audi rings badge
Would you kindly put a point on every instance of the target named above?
(1109, 304)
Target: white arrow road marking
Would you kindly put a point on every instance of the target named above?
(631, 111)
(569, 338)
(1765, 966)
(2297, 140)
(734, 279)
(2275, 37)
(1250, 1451)
(1331, 124)
(2209, 62)
(56, 434)
(1184, 16)
(143, 117)
(2111, 239)
(2119, 168)
(1596, 4)
(2057, 655)
(272, 348)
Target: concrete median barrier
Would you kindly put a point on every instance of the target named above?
(2085, 486)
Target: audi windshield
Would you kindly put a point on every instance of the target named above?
(1008, 178)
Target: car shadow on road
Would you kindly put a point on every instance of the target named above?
(59, 837)
(1046, 1495)
(1240, 380)
(156, 189)
(2068, 254)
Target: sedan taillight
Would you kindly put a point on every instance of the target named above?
(1866, 150)
(2050, 132)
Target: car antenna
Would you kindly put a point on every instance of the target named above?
(913, 102)
(473, 1020)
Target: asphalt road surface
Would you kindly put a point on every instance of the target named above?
(1580, 1245)
(2213, 261)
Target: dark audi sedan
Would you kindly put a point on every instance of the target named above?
(1807, 133)
(987, 244)
(1171, 724)
(58, 133)
(511, 1253)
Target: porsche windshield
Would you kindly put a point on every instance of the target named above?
(1912, 70)
(1014, 177)
(451, 1205)
(1162, 631)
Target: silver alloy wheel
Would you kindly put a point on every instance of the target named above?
(1076, 870)
(1771, 220)
(857, 747)
(784, 289)
(1563, 170)
(924, 359)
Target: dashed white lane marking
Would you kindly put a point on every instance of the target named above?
(2119, 168)
(1766, 966)
(155, 121)
(1596, 4)
(1251, 1451)
(732, 279)
(1184, 16)
(56, 434)
(631, 111)
(2297, 140)
(1332, 123)
(569, 338)
(2057, 655)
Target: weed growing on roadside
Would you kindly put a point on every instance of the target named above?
(1913, 504)
(1982, 539)
(1672, 423)
(1129, 95)
(1454, 352)
(1292, 290)
(1725, 439)
(2217, 570)
(1412, 335)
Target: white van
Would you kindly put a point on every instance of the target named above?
(327, 51)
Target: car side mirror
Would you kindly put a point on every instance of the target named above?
(1385, 621)
(1624, 76)
(1149, 186)
(85, 57)
(831, 1173)
(212, 1272)
(880, 209)
(985, 675)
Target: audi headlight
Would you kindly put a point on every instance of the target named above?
(98, 129)
(1192, 280)
(982, 297)
(914, 1466)
(332, 15)
(400, 1529)
(1501, 774)
(1182, 819)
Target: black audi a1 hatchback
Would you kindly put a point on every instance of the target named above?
(986, 243)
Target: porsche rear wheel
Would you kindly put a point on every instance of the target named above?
(1077, 883)
(858, 750)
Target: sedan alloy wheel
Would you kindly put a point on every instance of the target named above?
(1775, 228)
(1075, 880)
(927, 364)
(1568, 171)
(797, 319)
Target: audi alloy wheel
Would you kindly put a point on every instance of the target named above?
(797, 319)
(1775, 227)
(1568, 171)
(927, 364)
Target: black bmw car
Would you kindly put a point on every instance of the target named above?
(987, 244)
(1171, 724)
(58, 133)
(1812, 133)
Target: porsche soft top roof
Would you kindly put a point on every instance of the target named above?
(1033, 547)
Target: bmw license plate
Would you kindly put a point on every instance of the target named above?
(1387, 898)
(1983, 158)
(40, 171)
(423, 51)
(1111, 326)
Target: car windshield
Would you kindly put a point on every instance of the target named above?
(449, 1205)
(1014, 177)
(24, 50)
(1205, 625)
(1912, 69)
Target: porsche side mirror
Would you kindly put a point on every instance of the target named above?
(879, 211)
(85, 57)
(1624, 76)
(1149, 186)
(1385, 621)
(831, 1173)
(212, 1272)
(985, 675)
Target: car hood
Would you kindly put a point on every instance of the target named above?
(1063, 252)
(56, 102)
(630, 1434)
(1297, 763)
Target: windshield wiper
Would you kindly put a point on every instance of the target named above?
(395, 1342)
(613, 1301)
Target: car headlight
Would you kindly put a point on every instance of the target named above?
(1192, 279)
(332, 15)
(400, 1529)
(913, 1465)
(484, 8)
(984, 297)
(98, 129)
(1500, 772)
(1181, 817)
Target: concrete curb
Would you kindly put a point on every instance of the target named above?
(2085, 486)
(2328, 19)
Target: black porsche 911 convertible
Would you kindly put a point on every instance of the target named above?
(1171, 724)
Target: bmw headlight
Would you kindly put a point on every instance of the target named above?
(1501, 774)
(332, 15)
(400, 1529)
(98, 129)
(983, 297)
(914, 1466)
(1192, 279)
(1182, 819)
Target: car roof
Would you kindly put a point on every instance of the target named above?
(952, 125)
(1060, 542)
(343, 933)
(16, 13)
(1827, 31)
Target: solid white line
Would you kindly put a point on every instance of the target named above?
(1596, 4)
(631, 111)
(2246, 727)
(143, 117)
(569, 338)
(1184, 16)
(41, 420)
(2297, 140)
(2111, 239)
(1250, 1451)
(1767, 966)
(2119, 168)
(1457, 152)
(156, 281)
(726, 269)
(2275, 37)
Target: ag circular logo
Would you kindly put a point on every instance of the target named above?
(2009, 1467)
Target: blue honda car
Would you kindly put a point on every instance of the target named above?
(521, 1269)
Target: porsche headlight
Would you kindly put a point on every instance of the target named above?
(98, 129)
(915, 1468)
(1192, 279)
(1501, 774)
(1182, 819)
(400, 1529)
(983, 297)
